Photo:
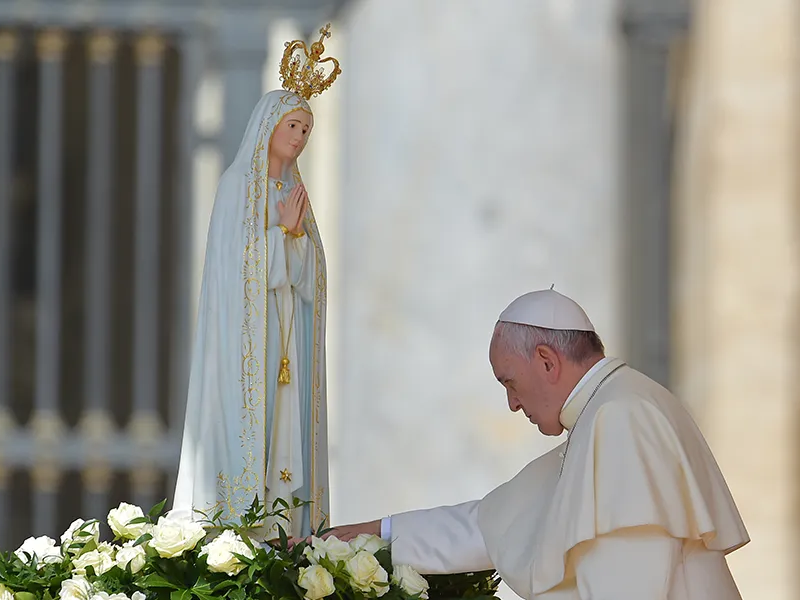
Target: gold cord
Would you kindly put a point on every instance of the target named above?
(284, 374)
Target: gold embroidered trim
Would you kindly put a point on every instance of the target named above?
(316, 493)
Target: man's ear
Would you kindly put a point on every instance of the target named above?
(550, 359)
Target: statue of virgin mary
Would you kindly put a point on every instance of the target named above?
(256, 418)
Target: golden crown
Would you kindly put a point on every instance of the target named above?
(303, 76)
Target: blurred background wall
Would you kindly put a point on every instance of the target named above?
(638, 154)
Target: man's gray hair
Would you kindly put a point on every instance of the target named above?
(577, 346)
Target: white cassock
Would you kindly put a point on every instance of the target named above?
(641, 510)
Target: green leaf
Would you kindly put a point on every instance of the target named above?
(265, 583)
(156, 581)
(223, 585)
(203, 590)
(237, 595)
(322, 525)
(301, 592)
(157, 510)
(145, 537)
(283, 538)
(181, 595)
(276, 572)
(24, 596)
(280, 502)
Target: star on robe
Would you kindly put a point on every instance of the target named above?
(286, 476)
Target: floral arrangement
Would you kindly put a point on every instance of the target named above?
(160, 557)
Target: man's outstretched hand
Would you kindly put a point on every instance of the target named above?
(350, 532)
(347, 532)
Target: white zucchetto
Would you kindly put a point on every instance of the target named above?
(547, 309)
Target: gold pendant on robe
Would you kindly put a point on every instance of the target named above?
(284, 375)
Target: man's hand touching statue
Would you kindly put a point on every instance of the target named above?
(350, 532)
(347, 532)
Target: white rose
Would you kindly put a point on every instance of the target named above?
(331, 548)
(138, 596)
(370, 543)
(172, 537)
(43, 550)
(220, 553)
(80, 532)
(133, 555)
(107, 596)
(119, 519)
(5, 593)
(101, 560)
(411, 582)
(317, 582)
(76, 588)
(366, 573)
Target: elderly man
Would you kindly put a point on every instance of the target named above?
(631, 507)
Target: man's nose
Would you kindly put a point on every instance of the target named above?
(513, 403)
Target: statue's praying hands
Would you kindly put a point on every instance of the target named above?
(293, 211)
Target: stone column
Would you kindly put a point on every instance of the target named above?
(47, 425)
(45, 476)
(737, 263)
(8, 47)
(51, 46)
(146, 426)
(5, 506)
(191, 53)
(97, 426)
(647, 135)
(242, 49)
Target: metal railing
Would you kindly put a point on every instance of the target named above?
(95, 151)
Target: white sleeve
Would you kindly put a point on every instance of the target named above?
(440, 540)
(277, 276)
(386, 529)
(636, 564)
(301, 266)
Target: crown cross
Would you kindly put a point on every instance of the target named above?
(305, 76)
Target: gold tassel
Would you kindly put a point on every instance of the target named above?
(284, 376)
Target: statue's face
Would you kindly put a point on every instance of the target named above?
(290, 136)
